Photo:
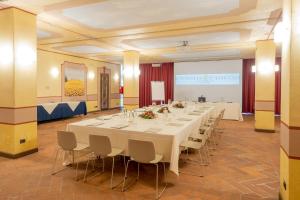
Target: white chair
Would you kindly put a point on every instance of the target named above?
(100, 146)
(67, 143)
(144, 152)
(197, 142)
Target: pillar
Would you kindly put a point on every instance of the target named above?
(18, 126)
(131, 79)
(265, 86)
(290, 103)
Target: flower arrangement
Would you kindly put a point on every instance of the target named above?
(147, 115)
(162, 109)
(178, 105)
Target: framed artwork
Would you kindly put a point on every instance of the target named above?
(74, 81)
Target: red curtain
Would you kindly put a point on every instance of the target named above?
(148, 73)
(278, 87)
(249, 86)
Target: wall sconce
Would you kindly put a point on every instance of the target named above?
(6, 54)
(280, 32)
(116, 77)
(54, 72)
(91, 75)
(128, 72)
(253, 68)
(137, 72)
(265, 68)
(25, 55)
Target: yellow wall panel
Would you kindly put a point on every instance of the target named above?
(10, 136)
(264, 120)
(92, 106)
(284, 174)
(115, 103)
(6, 58)
(25, 43)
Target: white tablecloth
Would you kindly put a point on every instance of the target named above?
(167, 134)
(232, 110)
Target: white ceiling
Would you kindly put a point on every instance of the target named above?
(203, 54)
(123, 13)
(41, 34)
(197, 39)
(84, 49)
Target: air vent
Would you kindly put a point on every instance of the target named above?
(156, 65)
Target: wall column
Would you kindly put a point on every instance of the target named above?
(265, 86)
(18, 126)
(131, 79)
(290, 103)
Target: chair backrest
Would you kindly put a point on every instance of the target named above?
(66, 140)
(100, 145)
(141, 151)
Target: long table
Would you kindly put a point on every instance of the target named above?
(232, 109)
(165, 133)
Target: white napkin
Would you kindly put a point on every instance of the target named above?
(119, 126)
(95, 124)
(104, 117)
(174, 124)
(184, 119)
(152, 130)
(194, 113)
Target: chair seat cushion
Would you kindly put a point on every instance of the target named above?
(191, 144)
(115, 152)
(157, 159)
(81, 146)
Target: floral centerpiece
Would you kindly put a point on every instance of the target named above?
(147, 115)
(162, 109)
(178, 105)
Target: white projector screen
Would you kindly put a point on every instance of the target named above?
(216, 80)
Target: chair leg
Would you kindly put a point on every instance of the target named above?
(102, 164)
(86, 168)
(112, 172)
(125, 176)
(55, 160)
(165, 175)
(73, 158)
(158, 194)
(77, 163)
(138, 171)
(157, 197)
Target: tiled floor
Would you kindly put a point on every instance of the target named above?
(244, 167)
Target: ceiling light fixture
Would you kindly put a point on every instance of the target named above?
(185, 47)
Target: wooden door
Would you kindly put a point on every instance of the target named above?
(104, 91)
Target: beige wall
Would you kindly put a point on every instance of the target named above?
(49, 87)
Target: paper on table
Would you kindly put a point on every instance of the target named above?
(104, 117)
(174, 124)
(195, 113)
(152, 130)
(95, 124)
(184, 119)
(119, 126)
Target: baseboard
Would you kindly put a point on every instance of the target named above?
(264, 130)
(18, 155)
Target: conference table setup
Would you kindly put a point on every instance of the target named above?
(167, 130)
